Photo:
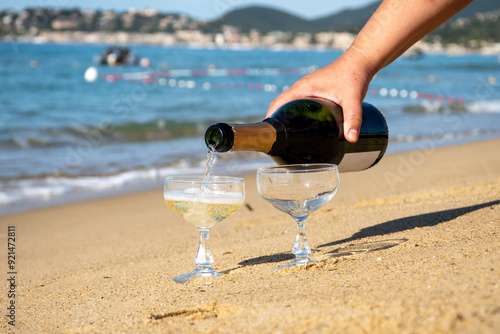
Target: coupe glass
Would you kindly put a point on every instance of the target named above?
(298, 190)
(203, 203)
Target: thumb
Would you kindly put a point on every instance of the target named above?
(275, 104)
(352, 120)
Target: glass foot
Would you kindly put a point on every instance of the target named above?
(298, 261)
(196, 273)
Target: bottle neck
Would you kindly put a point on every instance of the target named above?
(257, 137)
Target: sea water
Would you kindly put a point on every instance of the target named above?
(65, 139)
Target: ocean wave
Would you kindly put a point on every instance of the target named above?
(155, 130)
(484, 106)
(49, 187)
(435, 107)
(164, 129)
(444, 136)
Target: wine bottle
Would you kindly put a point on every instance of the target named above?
(306, 131)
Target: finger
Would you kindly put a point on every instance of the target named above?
(283, 98)
(352, 121)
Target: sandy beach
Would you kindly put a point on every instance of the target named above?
(409, 246)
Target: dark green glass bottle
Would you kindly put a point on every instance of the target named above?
(306, 131)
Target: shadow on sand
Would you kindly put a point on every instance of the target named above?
(408, 223)
(393, 226)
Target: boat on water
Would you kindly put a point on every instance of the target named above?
(115, 56)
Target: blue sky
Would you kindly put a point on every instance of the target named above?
(201, 9)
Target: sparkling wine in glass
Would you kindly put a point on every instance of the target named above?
(298, 190)
(203, 202)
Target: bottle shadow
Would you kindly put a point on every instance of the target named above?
(393, 226)
(365, 247)
(408, 223)
(272, 258)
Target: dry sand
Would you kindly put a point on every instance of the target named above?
(409, 246)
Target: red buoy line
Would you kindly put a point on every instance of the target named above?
(180, 78)
(414, 94)
(216, 72)
(270, 87)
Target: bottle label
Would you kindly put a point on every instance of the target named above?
(358, 161)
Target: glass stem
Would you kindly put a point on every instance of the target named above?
(301, 247)
(203, 256)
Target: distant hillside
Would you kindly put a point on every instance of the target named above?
(266, 19)
(463, 28)
(484, 27)
(349, 19)
(478, 6)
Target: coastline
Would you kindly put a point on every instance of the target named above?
(410, 245)
(170, 41)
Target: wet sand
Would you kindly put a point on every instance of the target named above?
(409, 246)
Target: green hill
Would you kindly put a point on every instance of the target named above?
(349, 19)
(266, 19)
(478, 6)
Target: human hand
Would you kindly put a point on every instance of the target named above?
(344, 82)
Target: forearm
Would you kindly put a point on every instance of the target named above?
(398, 24)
